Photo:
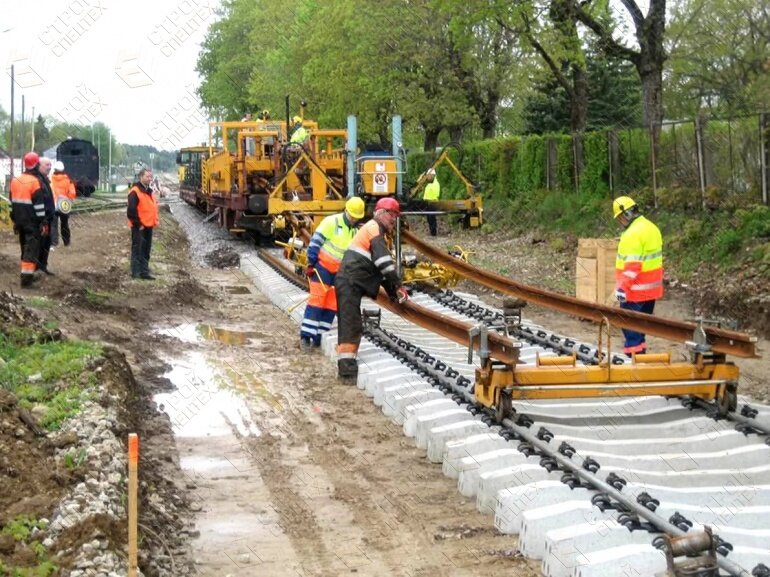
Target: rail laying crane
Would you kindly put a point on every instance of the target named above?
(257, 181)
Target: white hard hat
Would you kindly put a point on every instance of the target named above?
(431, 172)
(58, 166)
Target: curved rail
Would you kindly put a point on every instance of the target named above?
(722, 341)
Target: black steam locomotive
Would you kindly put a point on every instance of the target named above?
(81, 163)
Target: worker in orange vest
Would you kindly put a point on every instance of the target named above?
(143, 217)
(63, 189)
(28, 215)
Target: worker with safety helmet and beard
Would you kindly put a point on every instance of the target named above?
(28, 213)
(638, 267)
(367, 264)
(324, 255)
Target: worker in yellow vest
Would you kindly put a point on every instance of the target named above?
(638, 267)
(432, 192)
(324, 255)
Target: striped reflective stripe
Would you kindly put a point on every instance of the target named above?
(21, 201)
(382, 260)
(644, 287)
(308, 331)
(630, 274)
(640, 257)
(388, 268)
(309, 323)
(346, 356)
(361, 251)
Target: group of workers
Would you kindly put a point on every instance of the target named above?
(347, 262)
(39, 211)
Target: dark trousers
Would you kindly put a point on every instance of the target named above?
(432, 224)
(635, 342)
(60, 224)
(45, 251)
(141, 245)
(29, 241)
(350, 328)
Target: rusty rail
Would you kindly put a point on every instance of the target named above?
(722, 341)
(500, 347)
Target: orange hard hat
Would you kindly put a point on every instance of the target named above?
(388, 203)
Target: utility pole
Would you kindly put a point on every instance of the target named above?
(109, 162)
(23, 131)
(33, 129)
(99, 152)
(13, 81)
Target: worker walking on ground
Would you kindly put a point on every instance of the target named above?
(28, 215)
(367, 264)
(143, 217)
(638, 267)
(63, 191)
(432, 192)
(44, 169)
(324, 255)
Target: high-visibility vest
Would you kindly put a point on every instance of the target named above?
(330, 241)
(432, 190)
(27, 200)
(300, 135)
(62, 186)
(639, 263)
(147, 208)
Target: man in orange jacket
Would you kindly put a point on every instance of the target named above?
(63, 188)
(143, 217)
(28, 215)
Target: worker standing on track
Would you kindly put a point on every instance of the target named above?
(432, 192)
(367, 264)
(28, 215)
(324, 255)
(638, 267)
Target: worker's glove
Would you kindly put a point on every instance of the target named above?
(620, 294)
(310, 272)
(44, 229)
(401, 295)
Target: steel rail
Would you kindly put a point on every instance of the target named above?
(721, 340)
(500, 347)
(574, 463)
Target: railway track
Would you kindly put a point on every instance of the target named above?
(589, 487)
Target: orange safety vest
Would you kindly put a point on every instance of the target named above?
(62, 186)
(27, 203)
(147, 208)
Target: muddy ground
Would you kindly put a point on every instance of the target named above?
(275, 469)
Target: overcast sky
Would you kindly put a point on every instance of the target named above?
(127, 63)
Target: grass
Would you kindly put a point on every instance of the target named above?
(47, 374)
(21, 529)
(40, 302)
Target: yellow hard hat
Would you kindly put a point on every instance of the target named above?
(296, 119)
(355, 207)
(621, 204)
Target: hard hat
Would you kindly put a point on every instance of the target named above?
(58, 166)
(388, 203)
(296, 120)
(621, 204)
(431, 172)
(31, 160)
(355, 207)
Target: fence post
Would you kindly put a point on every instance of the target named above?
(550, 160)
(653, 166)
(764, 140)
(699, 159)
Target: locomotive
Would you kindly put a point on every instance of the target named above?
(81, 162)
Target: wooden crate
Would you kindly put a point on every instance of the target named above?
(595, 270)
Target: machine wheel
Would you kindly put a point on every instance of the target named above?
(728, 402)
(504, 408)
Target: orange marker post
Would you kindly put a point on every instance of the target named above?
(133, 483)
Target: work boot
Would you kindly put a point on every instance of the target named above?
(347, 371)
(27, 280)
(305, 344)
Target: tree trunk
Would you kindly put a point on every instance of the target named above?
(488, 115)
(455, 133)
(431, 139)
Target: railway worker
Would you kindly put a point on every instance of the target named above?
(28, 215)
(63, 189)
(49, 201)
(366, 265)
(432, 192)
(638, 267)
(143, 217)
(300, 134)
(327, 246)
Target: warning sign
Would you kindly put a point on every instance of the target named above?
(380, 182)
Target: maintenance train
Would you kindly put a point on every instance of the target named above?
(259, 178)
(81, 159)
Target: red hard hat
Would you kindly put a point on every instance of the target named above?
(31, 160)
(388, 203)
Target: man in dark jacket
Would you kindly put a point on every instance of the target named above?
(44, 169)
(142, 213)
(367, 264)
(28, 215)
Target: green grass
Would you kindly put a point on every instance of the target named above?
(21, 529)
(40, 302)
(47, 374)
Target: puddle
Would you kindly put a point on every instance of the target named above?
(237, 290)
(196, 333)
(199, 407)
